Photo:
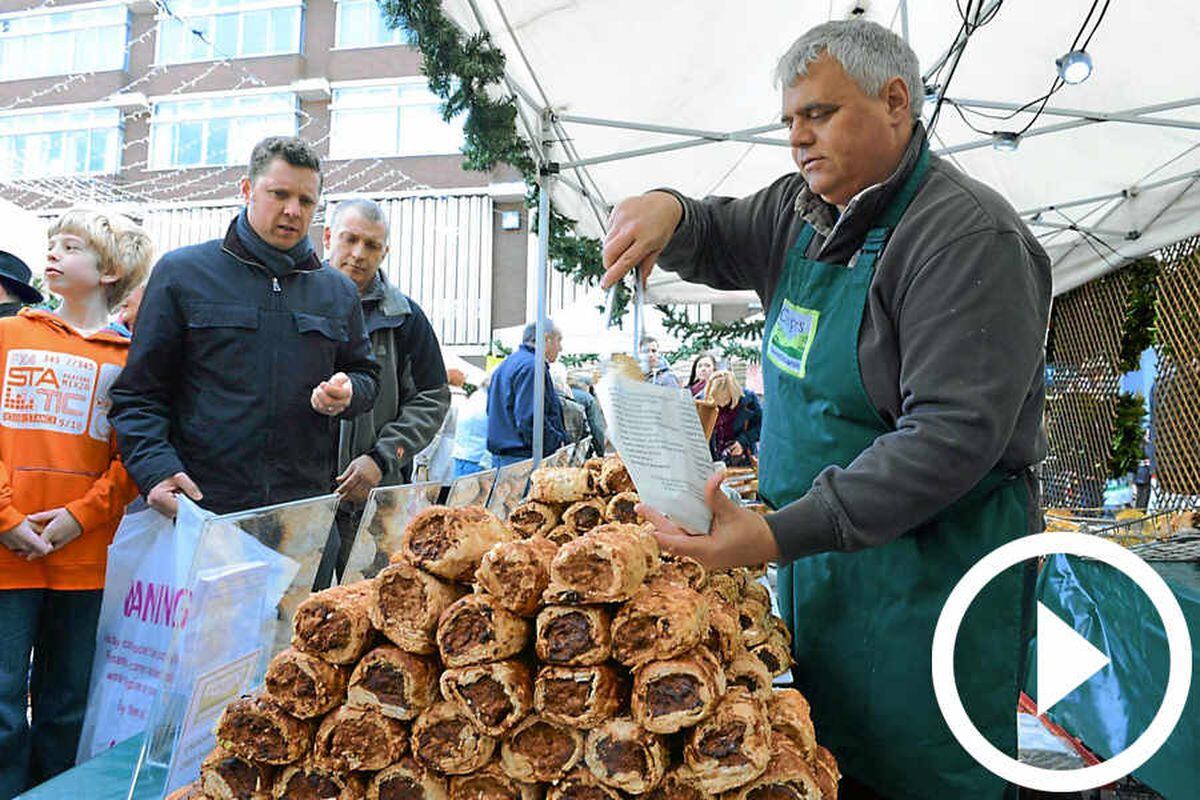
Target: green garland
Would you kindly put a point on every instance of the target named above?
(1138, 330)
(1127, 435)
(724, 338)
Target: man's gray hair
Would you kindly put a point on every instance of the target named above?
(870, 53)
(367, 209)
(529, 335)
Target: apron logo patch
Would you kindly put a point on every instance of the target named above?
(792, 337)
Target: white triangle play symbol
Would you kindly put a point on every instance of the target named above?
(1064, 659)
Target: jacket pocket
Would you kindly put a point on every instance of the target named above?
(321, 337)
(222, 342)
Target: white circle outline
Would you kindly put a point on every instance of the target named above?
(1179, 677)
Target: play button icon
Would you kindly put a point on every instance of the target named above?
(1064, 659)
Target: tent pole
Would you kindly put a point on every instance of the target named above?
(1131, 117)
(545, 182)
(746, 135)
(1062, 226)
(904, 19)
(1122, 194)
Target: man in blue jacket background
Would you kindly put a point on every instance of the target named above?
(247, 353)
(510, 402)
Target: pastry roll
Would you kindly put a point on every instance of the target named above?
(532, 518)
(406, 780)
(306, 685)
(560, 485)
(681, 783)
(825, 770)
(787, 775)
(681, 571)
(726, 586)
(517, 573)
(582, 784)
(659, 623)
(308, 781)
(626, 756)
(678, 692)
(623, 508)
(607, 565)
(258, 729)
(614, 478)
(754, 617)
(358, 738)
(775, 655)
(395, 683)
(445, 739)
(449, 542)
(575, 635)
(490, 783)
(224, 776)
(724, 636)
(336, 624)
(476, 628)
(540, 751)
(748, 672)
(581, 697)
(561, 534)
(581, 517)
(789, 713)
(406, 603)
(731, 747)
(495, 696)
(192, 791)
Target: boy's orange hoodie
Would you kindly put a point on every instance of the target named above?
(56, 446)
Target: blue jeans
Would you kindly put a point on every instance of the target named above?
(58, 630)
(503, 461)
(464, 467)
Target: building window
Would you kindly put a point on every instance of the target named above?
(86, 39)
(390, 120)
(84, 142)
(210, 30)
(218, 131)
(361, 23)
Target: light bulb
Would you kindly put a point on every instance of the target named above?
(1074, 67)
(1005, 140)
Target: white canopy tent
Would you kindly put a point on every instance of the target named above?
(621, 96)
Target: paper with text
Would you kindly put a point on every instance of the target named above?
(657, 432)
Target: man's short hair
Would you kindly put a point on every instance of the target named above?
(123, 248)
(529, 335)
(364, 207)
(647, 340)
(870, 53)
(292, 149)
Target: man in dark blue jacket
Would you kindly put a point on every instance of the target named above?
(247, 353)
(510, 402)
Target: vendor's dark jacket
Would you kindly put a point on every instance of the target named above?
(950, 349)
(510, 408)
(413, 394)
(221, 371)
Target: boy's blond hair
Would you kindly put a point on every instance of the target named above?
(124, 248)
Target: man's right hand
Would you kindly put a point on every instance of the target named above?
(638, 230)
(162, 497)
(24, 541)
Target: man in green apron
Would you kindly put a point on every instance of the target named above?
(903, 365)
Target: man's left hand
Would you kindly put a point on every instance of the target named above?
(333, 396)
(360, 477)
(56, 526)
(738, 537)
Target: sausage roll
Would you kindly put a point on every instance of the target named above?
(358, 738)
(607, 565)
(517, 573)
(575, 635)
(396, 683)
(626, 756)
(582, 784)
(495, 696)
(490, 783)
(560, 485)
(659, 623)
(449, 542)
(406, 780)
(581, 697)
(476, 629)
(731, 747)
(224, 776)
(336, 624)
(258, 729)
(614, 477)
(308, 781)
(789, 713)
(581, 517)
(532, 518)
(406, 603)
(677, 693)
(306, 685)
(623, 508)
(445, 739)
(787, 775)
(541, 751)
(681, 783)
(748, 672)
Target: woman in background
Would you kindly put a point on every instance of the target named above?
(702, 369)
(739, 420)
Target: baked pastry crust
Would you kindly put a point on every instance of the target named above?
(225, 776)
(580, 697)
(533, 517)
(495, 696)
(358, 739)
(614, 477)
(335, 624)
(659, 623)
(517, 573)
(445, 739)
(305, 684)
(623, 508)
(491, 783)
(407, 778)
(748, 672)
(584, 515)
(787, 774)
(789, 713)
(731, 747)
(677, 693)
(607, 565)
(626, 756)
(308, 781)
(450, 542)
(539, 750)
(406, 603)
(561, 485)
(476, 629)
(396, 683)
(574, 635)
(259, 729)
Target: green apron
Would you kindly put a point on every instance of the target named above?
(863, 622)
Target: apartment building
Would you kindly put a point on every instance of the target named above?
(152, 107)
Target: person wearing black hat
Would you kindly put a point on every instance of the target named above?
(15, 289)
